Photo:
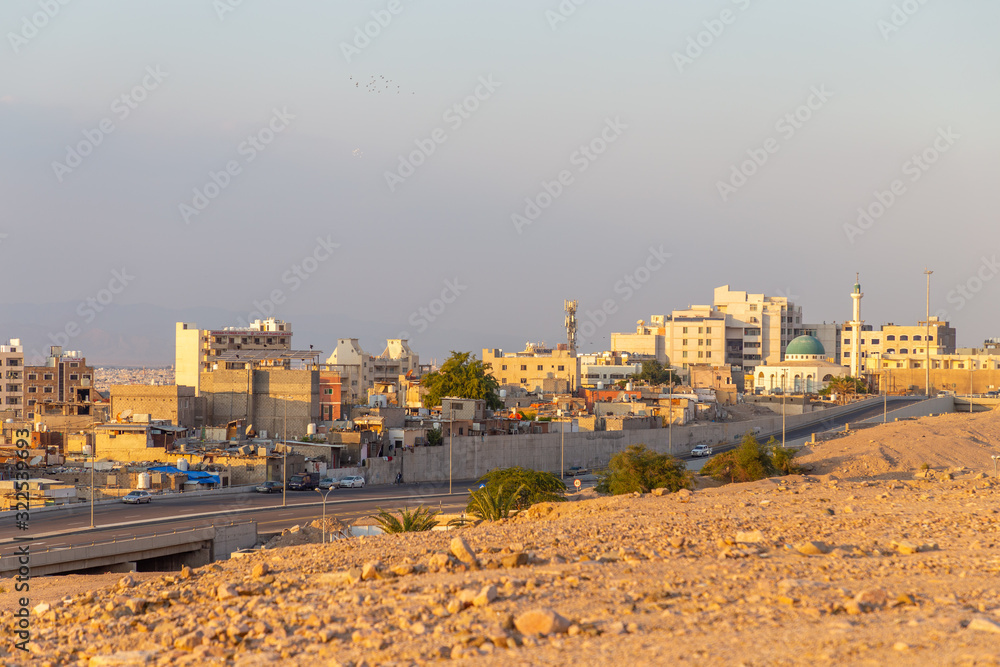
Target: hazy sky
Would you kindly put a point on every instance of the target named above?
(219, 156)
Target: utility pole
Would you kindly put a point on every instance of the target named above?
(284, 454)
(927, 335)
(670, 422)
(783, 375)
(562, 449)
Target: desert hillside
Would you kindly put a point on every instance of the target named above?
(858, 563)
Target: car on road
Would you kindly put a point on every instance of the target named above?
(701, 450)
(352, 482)
(328, 483)
(268, 487)
(136, 497)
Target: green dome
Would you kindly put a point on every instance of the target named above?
(805, 345)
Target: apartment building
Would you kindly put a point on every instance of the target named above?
(904, 341)
(741, 329)
(64, 379)
(607, 368)
(536, 369)
(197, 351)
(12, 383)
(361, 370)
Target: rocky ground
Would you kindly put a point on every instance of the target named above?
(897, 567)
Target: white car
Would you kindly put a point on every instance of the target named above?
(701, 450)
(352, 482)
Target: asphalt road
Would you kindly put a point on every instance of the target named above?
(70, 526)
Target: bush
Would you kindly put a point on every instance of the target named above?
(417, 521)
(530, 486)
(751, 461)
(641, 469)
(492, 504)
(434, 437)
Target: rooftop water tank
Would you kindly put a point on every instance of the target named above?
(183, 464)
(145, 481)
(311, 429)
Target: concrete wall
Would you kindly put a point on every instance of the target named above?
(950, 379)
(934, 406)
(233, 538)
(472, 457)
(173, 403)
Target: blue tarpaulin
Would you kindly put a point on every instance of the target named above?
(196, 476)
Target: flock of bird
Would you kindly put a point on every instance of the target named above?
(378, 84)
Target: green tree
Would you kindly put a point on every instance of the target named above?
(462, 376)
(641, 469)
(435, 437)
(525, 487)
(653, 372)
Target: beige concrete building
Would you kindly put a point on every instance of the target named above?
(65, 381)
(275, 400)
(12, 383)
(362, 370)
(197, 350)
(975, 371)
(742, 329)
(171, 403)
(606, 368)
(909, 341)
(536, 369)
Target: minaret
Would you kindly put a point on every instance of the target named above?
(856, 329)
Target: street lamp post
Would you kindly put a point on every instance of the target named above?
(320, 491)
(451, 444)
(562, 449)
(670, 421)
(927, 334)
(783, 376)
(93, 462)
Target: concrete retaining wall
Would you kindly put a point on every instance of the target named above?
(473, 456)
(933, 406)
(233, 538)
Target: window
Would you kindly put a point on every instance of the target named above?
(524, 367)
(708, 354)
(875, 341)
(700, 354)
(684, 354)
(73, 365)
(504, 367)
(47, 376)
(904, 351)
(73, 377)
(890, 351)
(524, 380)
(904, 338)
(708, 330)
(890, 337)
(46, 390)
(847, 354)
(540, 366)
(328, 392)
(916, 338)
(847, 341)
(684, 341)
(701, 341)
(32, 376)
(701, 329)
(684, 330)
(708, 341)
(753, 307)
(32, 390)
(562, 368)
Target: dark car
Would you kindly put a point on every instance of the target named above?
(136, 497)
(268, 487)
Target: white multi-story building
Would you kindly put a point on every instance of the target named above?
(362, 370)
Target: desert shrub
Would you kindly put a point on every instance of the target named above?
(492, 504)
(526, 486)
(640, 469)
(434, 437)
(751, 461)
(406, 521)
